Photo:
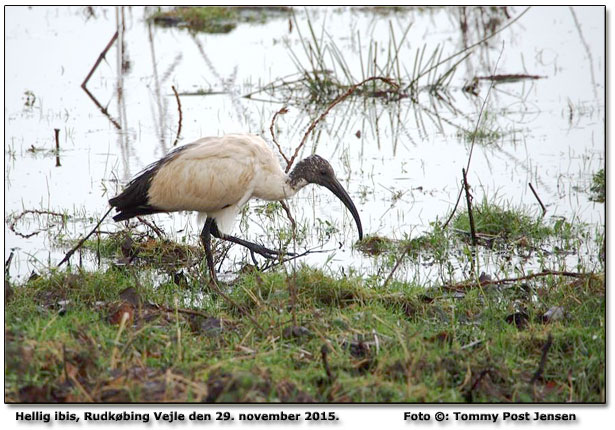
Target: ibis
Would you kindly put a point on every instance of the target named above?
(216, 176)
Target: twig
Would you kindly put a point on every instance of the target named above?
(481, 375)
(509, 77)
(120, 329)
(179, 109)
(182, 310)
(450, 217)
(435, 66)
(28, 211)
(85, 82)
(100, 58)
(103, 109)
(543, 359)
(544, 209)
(7, 265)
(154, 227)
(57, 135)
(275, 116)
(294, 257)
(397, 263)
(72, 251)
(223, 254)
(464, 285)
(324, 352)
(293, 223)
(587, 51)
(331, 106)
(469, 203)
(480, 115)
(472, 344)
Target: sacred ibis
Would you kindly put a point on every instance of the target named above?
(216, 176)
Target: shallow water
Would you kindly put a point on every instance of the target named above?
(402, 172)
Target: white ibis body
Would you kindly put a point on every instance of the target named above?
(216, 176)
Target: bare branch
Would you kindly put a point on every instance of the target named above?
(81, 242)
(469, 284)
(544, 209)
(275, 116)
(480, 115)
(331, 106)
(179, 109)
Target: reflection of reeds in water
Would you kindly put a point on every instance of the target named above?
(323, 71)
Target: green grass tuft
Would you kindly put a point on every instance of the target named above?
(598, 188)
(502, 221)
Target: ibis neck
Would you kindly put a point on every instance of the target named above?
(291, 186)
(278, 188)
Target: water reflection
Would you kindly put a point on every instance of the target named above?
(401, 159)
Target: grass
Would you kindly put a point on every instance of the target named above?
(65, 340)
(502, 221)
(496, 224)
(511, 242)
(115, 335)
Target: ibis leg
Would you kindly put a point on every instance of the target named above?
(206, 239)
(254, 247)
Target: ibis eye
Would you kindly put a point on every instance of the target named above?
(323, 172)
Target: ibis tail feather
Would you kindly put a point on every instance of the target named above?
(134, 200)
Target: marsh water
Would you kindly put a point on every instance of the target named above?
(400, 160)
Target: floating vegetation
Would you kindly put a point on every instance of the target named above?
(481, 135)
(29, 99)
(598, 187)
(375, 245)
(214, 19)
(385, 10)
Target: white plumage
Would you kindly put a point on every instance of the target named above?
(216, 176)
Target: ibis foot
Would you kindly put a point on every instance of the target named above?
(210, 228)
(270, 254)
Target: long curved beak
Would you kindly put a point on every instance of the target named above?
(336, 188)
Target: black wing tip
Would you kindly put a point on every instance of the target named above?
(127, 213)
(121, 217)
(134, 200)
